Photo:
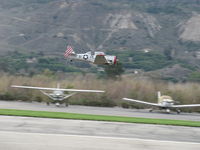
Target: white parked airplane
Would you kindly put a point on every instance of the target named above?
(164, 102)
(58, 94)
(99, 58)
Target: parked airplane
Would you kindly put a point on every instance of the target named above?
(99, 58)
(164, 102)
(57, 95)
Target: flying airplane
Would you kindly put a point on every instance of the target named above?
(99, 58)
(58, 94)
(164, 102)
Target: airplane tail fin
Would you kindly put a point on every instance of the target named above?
(58, 85)
(159, 96)
(69, 51)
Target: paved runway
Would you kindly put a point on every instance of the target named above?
(22, 133)
(32, 141)
(116, 111)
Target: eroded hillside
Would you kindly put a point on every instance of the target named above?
(171, 28)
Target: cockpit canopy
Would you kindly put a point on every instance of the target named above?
(58, 92)
(166, 98)
(95, 53)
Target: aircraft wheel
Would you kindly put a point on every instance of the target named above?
(168, 110)
(57, 104)
(66, 104)
(48, 103)
(178, 111)
(151, 110)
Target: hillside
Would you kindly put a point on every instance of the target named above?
(168, 28)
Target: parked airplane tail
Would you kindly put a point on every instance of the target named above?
(159, 97)
(69, 51)
(58, 85)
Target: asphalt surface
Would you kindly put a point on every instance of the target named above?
(116, 111)
(22, 133)
(31, 141)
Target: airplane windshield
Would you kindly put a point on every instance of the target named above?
(99, 53)
(58, 92)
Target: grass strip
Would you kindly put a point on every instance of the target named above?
(63, 115)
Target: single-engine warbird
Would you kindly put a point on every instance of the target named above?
(164, 102)
(57, 94)
(99, 58)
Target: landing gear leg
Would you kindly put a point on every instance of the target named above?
(66, 103)
(151, 110)
(48, 103)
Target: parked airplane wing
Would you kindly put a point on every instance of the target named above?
(184, 106)
(100, 59)
(55, 89)
(141, 102)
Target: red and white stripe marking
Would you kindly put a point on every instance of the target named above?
(68, 51)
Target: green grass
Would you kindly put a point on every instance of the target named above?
(62, 115)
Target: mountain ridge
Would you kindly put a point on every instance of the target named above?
(47, 26)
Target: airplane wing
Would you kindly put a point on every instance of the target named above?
(184, 106)
(100, 59)
(54, 89)
(141, 102)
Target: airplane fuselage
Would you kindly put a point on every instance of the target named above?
(166, 103)
(90, 57)
(57, 95)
